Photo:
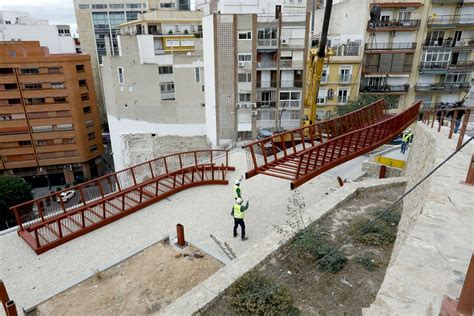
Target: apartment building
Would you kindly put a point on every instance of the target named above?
(391, 50)
(49, 122)
(254, 67)
(97, 20)
(154, 87)
(20, 26)
(340, 80)
(446, 65)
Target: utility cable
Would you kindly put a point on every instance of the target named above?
(363, 227)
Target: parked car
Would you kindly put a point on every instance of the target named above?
(264, 133)
(66, 195)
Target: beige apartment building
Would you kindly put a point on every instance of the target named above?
(154, 87)
(49, 121)
(254, 68)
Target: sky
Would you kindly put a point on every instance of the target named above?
(56, 11)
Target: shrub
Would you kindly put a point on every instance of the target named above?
(58, 189)
(314, 243)
(67, 186)
(390, 217)
(13, 191)
(255, 293)
(367, 261)
(378, 233)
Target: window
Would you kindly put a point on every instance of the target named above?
(244, 97)
(202, 88)
(64, 127)
(172, 43)
(290, 99)
(68, 140)
(32, 86)
(245, 57)
(134, 5)
(86, 110)
(42, 128)
(245, 77)
(63, 113)
(165, 70)
(405, 15)
(121, 77)
(267, 33)
(54, 70)
(83, 6)
(57, 85)
(197, 74)
(80, 68)
(35, 101)
(116, 6)
(82, 83)
(167, 90)
(43, 142)
(246, 35)
(59, 100)
(93, 148)
(89, 123)
(29, 71)
(167, 5)
(91, 136)
(84, 96)
(99, 6)
(324, 75)
(342, 96)
(5, 117)
(345, 74)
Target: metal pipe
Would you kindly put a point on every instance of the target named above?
(383, 169)
(180, 234)
(11, 308)
(3, 295)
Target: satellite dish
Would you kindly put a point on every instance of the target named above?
(375, 13)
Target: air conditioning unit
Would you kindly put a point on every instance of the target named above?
(253, 105)
(239, 105)
(241, 64)
(254, 113)
(285, 41)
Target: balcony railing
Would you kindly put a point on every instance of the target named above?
(445, 20)
(463, 65)
(291, 84)
(266, 64)
(342, 100)
(384, 88)
(393, 25)
(291, 64)
(265, 43)
(389, 46)
(346, 50)
(467, 43)
(263, 84)
(290, 104)
(461, 86)
(266, 104)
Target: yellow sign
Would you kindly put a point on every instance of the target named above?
(390, 162)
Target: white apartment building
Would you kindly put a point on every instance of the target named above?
(20, 26)
(154, 87)
(254, 65)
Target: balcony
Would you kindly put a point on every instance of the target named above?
(390, 46)
(291, 84)
(267, 43)
(441, 67)
(290, 104)
(464, 44)
(386, 89)
(266, 84)
(451, 21)
(266, 104)
(442, 87)
(394, 25)
(291, 64)
(266, 64)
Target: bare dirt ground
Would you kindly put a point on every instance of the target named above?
(322, 293)
(142, 284)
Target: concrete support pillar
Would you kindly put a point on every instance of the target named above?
(68, 175)
(87, 170)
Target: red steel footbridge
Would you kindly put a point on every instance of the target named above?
(301, 154)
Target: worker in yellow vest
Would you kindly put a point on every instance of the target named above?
(406, 138)
(238, 211)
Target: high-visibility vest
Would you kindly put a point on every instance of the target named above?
(237, 212)
(236, 195)
(406, 137)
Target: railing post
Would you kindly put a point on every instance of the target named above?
(264, 153)
(253, 157)
(37, 238)
(453, 121)
(180, 162)
(466, 300)
(81, 193)
(101, 191)
(151, 170)
(467, 114)
(3, 295)
(118, 182)
(196, 159)
(470, 172)
(83, 219)
(60, 230)
(11, 308)
(133, 176)
(17, 217)
(227, 158)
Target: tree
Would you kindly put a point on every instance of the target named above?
(13, 191)
(365, 99)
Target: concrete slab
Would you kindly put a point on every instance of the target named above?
(205, 210)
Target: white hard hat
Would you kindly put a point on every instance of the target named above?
(237, 182)
(238, 201)
(409, 129)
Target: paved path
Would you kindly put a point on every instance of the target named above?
(202, 210)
